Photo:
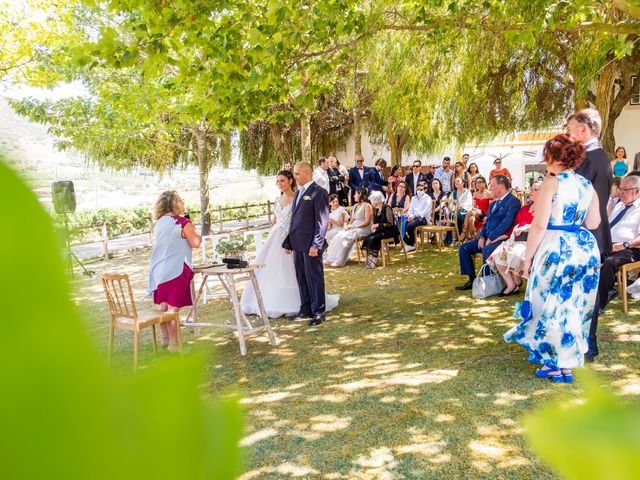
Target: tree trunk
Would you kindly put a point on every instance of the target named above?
(281, 137)
(396, 141)
(305, 137)
(357, 134)
(605, 94)
(202, 151)
(620, 97)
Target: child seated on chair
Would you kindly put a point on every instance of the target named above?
(171, 270)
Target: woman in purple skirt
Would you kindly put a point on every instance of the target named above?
(171, 270)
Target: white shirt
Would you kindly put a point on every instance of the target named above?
(302, 191)
(465, 199)
(420, 206)
(628, 227)
(321, 177)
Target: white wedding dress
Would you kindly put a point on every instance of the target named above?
(277, 279)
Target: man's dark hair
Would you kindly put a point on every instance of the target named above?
(503, 180)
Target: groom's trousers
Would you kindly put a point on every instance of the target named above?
(310, 276)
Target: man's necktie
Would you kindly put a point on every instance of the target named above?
(620, 215)
(299, 196)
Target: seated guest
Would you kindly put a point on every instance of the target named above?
(395, 177)
(419, 214)
(399, 200)
(337, 217)
(500, 220)
(436, 195)
(508, 258)
(624, 222)
(360, 226)
(475, 217)
(375, 180)
(465, 201)
(383, 226)
(615, 194)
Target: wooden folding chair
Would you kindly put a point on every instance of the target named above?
(622, 282)
(449, 218)
(388, 243)
(125, 315)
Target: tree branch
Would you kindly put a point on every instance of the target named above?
(616, 28)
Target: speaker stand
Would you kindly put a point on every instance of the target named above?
(70, 257)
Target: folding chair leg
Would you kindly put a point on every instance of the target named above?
(136, 347)
(110, 349)
(153, 336)
(178, 333)
(624, 291)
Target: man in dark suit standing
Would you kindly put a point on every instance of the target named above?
(415, 177)
(375, 177)
(500, 220)
(306, 239)
(357, 177)
(585, 126)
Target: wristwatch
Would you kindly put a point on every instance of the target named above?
(626, 244)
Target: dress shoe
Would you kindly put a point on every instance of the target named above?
(593, 351)
(317, 320)
(466, 286)
(299, 316)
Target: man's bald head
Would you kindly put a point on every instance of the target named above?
(302, 172)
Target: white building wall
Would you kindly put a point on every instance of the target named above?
(516, 154)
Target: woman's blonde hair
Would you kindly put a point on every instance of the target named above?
(167, 203)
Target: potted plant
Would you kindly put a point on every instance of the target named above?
(233, 248)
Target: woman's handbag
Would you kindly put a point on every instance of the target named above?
(487, 283)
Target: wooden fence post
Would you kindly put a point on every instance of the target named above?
(105, 241)
(269, 212)
(246, 212)
(220, 217)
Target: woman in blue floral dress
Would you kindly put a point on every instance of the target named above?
(562, 259)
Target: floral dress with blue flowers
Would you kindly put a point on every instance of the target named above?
(561, 292)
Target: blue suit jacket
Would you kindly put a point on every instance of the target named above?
(501, 218)
(355, 181)
(375, 180)
(309, 220)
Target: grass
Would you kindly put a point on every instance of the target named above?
(408, 379)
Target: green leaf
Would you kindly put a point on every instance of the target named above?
(62, 406)
(591, 439)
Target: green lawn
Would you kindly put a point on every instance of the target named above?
(407, 379)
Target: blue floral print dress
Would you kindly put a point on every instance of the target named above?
(561, 292)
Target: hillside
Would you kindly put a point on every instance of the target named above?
(31, 150)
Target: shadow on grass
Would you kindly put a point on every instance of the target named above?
(408, 378)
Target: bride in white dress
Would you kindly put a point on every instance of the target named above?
(277, 279)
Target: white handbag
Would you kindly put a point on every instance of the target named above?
(487, 283)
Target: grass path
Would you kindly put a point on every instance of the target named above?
(408, 379)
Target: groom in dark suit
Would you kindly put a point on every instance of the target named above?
(500, 220)
(306, 239)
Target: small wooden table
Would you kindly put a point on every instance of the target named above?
(228, 278)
